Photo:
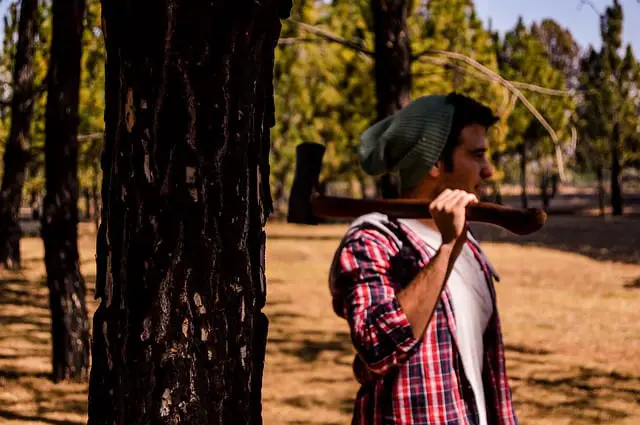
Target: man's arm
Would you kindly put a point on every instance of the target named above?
(420, 297)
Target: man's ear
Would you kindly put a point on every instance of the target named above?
(436, 170)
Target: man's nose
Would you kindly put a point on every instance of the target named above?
(487, 171)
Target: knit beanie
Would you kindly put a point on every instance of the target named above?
(408, 142)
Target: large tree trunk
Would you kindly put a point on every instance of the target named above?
(616, 173)
(69, 323)
(16, 154)
(392, 69)
(179, 335)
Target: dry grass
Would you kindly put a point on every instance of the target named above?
(569, 298)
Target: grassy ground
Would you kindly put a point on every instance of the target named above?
(569, 299)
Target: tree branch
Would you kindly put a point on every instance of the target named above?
(589, 3)
(90, 136)
(357, 46)
(287, 41)
(509, 85)
(480, 75)
(423, 55)
(490, 75)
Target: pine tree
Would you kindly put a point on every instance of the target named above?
(619, 97)
(179, 335)
(523, 58)
(16, 150)
(69, 321)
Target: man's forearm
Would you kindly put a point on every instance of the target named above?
(419, 299)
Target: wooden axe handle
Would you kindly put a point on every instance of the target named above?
(516, 220)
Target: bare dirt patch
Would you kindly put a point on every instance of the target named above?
(570, 319)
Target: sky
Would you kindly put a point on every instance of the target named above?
(581, 20)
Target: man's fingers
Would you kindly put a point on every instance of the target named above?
(453, 201)
(450, 200)
(468, 199)
(438, 203)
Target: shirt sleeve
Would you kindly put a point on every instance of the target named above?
(380, 330)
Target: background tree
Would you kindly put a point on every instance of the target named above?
(323, 93)
(179, 336)
(593, 151)
(16, 152)
(562, 51)
(523, 58)
(392, 68)
(91, 110)
(69, 322)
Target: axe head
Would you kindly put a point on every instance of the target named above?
(305, 181)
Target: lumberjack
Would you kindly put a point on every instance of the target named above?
(412, 282)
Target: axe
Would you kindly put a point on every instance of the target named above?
(307, 206)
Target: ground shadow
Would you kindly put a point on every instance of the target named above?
(25, 353)
(596, 237)
(308, 350)
(8, 415)
(562, 391)
(634, 284)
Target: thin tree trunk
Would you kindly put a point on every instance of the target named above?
(16, 154)
(363, 187)
(69, 323)
(87, 204)
(392, 69)
(498, 193)
(95, 196)
(545, 182)
(601, 190)
(616, 173)
(523, 175)
(33, 204)
(179, 335)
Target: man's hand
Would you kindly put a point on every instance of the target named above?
(449, 213)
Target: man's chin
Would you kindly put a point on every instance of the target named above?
(479, 191)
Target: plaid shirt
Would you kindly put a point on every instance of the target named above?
(405, 380)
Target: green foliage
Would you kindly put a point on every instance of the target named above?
(523, 58)
(453, 26)
(91, 91)
(324, 93)
(40, 65)
(91, 108)
(562, 51)
(610, 83)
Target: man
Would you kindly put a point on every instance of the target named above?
(418, 294)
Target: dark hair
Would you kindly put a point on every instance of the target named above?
(467, 111)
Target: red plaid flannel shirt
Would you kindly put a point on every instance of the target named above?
(405, 380)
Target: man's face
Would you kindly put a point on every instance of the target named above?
(470, 164)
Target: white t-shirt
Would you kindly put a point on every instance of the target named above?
(472, 305)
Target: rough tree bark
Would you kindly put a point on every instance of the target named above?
(69, 323)
(179, 335)
(392, 68)
(16, 154)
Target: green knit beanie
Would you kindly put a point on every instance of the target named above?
(408, 142)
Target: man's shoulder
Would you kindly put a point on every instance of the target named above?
(373, 227)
